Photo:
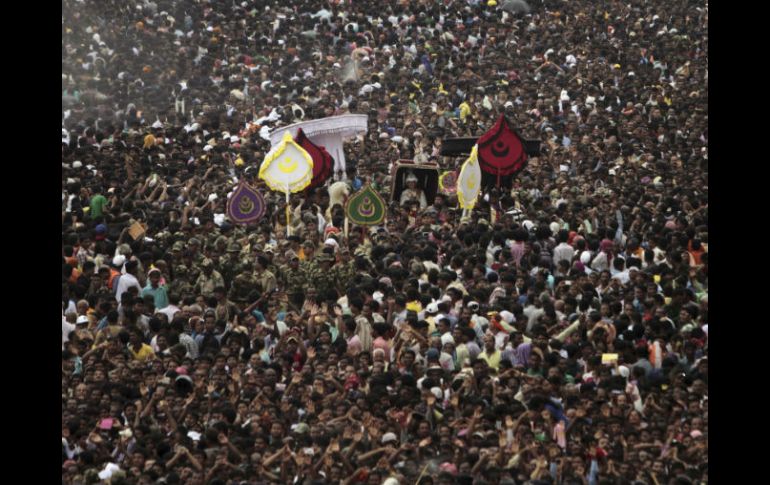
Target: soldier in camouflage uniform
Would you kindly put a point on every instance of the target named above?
(208, 279)
(215, 250)
(255, 247)
(269, 253)
(345, 270)
(319, 272)
(294, 280)
(265, 278)
(177, 250)
(244, 283)
(178, 236)
(194, 248)
(217, 243)
(195, 258)
(230, 264)
(181, 284)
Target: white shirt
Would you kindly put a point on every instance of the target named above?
(66, 328)
(532, 313)
(660, 255)
(169, 311)
(600, 262)
(154, 344)
(563, 251)
(429, 265)
(501, 338)
(622, 276)
(127, 281)
(71, 307)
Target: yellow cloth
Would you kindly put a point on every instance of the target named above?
(465, 110)
(149, 141)
(144, 353)
(414, 306)
(431, 325)
(492, 360)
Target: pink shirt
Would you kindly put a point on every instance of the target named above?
(354, 345)
(517, 251)
(381, 343)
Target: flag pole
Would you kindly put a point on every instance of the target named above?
(288, 213)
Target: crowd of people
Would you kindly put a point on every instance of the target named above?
(558, 334)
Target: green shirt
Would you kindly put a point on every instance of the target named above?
(159, 294)
(97, 205)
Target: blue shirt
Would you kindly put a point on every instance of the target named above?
(258, 315)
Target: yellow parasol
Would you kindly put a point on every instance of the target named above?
(287, 168)
(469, 181)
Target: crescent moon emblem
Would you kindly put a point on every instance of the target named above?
(287, 166)
(471, 181)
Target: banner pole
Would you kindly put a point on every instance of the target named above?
(288, 213)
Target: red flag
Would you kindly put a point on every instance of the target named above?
(501, 151)
(322, 161)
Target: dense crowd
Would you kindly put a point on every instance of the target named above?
(557, 335)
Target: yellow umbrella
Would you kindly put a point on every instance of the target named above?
(287, 168)
(469, 181)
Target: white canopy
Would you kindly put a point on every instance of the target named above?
(328, 132)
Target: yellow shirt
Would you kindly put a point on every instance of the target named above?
(144, 353)
(465, 110)
(492, 360)
(463, 355)
(431, 325)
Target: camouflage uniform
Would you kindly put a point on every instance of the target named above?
(205, 284)
(243, 284)
(344, 273)
(180, 284)
(230, 264)
(197, 259)
(294, 280)
(266, 281)
(277, 271)
(216, 242)
(319, 278)
(311, 271)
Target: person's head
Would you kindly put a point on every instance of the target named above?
(489, 343)
(154, 277)
(132, 267)
(209, 321)
(135, 338)
(261, 263)
(276, 430)
(408, 357)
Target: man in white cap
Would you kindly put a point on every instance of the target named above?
(81, 328)
(412, 193)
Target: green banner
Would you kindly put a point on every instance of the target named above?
(366, 207)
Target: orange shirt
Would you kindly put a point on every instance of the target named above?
(75, 275)
(113, 274)
(695, 254)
